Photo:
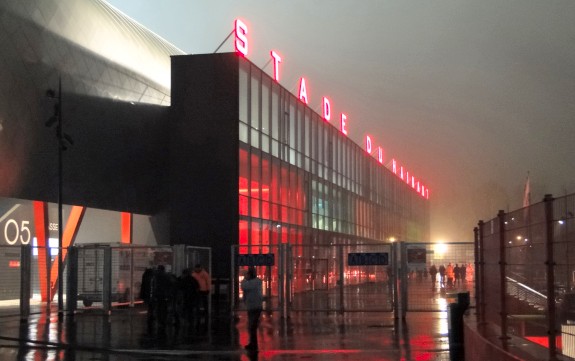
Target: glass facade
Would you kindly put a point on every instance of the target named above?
(301, 181)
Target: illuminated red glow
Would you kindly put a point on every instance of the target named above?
(241, 43)
(14, 264)
(326, 109)
(303, 91)
(368, 144)
(343, 123)
(277, 60)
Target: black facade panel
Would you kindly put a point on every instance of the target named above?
(204, 154)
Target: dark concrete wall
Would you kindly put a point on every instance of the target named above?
(204, 145)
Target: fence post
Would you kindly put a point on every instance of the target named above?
(233, 292)
(403, 280)
(107, 281)
(476, 263)
(550, 263)
(72, 275)
(341, 282)
(25, 281)
(480, 273)
(393, 279)
(502, 274)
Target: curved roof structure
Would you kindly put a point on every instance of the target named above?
(102, 29)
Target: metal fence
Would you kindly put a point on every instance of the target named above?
(525, 279)
(342, 278)
(320, 278)
(435, 273)
(101, 276)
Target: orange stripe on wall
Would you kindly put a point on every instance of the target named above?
(41, 227)
(68, 238)
(126, 228)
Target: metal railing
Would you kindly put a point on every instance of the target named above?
(525, 261)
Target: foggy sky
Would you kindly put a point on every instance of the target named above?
(468, 95)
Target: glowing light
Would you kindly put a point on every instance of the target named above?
(241, 38)
(440, 249)
(326, 109)
(380, 155)
(344, 123)
(277, 61)
(302, 91)
(368, 144)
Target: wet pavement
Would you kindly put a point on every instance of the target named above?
(124, 335)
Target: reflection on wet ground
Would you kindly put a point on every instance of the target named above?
(124, 335)
(360, 336)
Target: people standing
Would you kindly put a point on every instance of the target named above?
(433, 273)
(253, 298)
(205, 285)
(442, 276)
(457, 273)
(450, 275)
(188, 289)
(160, 295)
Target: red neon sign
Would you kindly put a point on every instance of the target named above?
(302, 90)
(241, 39)
(277, 61)
(368, 144)
(326, 109)
(344, 123)
(242, 45)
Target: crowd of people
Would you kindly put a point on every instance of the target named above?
(450, 276)
(172, 299)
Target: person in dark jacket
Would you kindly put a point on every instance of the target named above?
(253, 298)
(188, 294)
(433, 273)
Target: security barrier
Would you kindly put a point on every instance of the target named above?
(96, 276)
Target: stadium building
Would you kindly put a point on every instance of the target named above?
(162, 148)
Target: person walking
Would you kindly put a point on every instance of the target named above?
(253, 298)
(205, 283)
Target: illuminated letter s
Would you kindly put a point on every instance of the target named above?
(241, 38)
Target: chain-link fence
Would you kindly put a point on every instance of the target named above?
(526, 267)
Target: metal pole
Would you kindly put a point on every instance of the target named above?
(550, 263)
(480, 273)
(60, 134)
(476, 262)
(502, 270)
(341, 279)
(25, 281)
(72, 291)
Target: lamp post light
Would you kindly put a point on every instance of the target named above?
(63, 140)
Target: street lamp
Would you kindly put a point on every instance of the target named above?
(63, 141)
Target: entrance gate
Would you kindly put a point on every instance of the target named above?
(419, 291)
(335, 278)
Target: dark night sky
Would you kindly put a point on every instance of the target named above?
(469, 96)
